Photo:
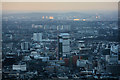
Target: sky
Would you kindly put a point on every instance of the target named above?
(59, 6)
(60, 0)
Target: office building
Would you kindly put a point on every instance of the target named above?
(63, 45)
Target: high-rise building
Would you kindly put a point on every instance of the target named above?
(25, 45)
(37, 37)
(114, 53)
(63, 45)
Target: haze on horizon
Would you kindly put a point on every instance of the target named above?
(58, 6)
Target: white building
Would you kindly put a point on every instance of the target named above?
(19, 67)
(37, 37)
(44, 59)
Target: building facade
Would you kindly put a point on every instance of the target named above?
(63, 45)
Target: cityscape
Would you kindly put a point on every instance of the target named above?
(63, 45)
